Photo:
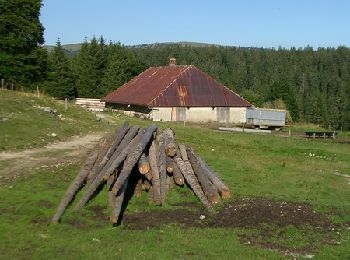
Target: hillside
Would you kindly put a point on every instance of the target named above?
(25, 122)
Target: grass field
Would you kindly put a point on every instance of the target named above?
(260, 170)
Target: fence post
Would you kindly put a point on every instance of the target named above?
(37, 91)
(2, 83)
(65, 104)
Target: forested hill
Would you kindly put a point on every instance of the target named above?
(313, 84)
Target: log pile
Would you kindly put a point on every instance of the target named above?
(142, 159)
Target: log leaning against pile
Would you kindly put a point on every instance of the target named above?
(155, 161)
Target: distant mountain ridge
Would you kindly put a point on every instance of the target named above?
(74, 48)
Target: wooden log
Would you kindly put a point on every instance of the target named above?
(119, 136)
(155, 173)
(127, 147)
(121, 132)
(170, 146)
(151, 199)
(133, 157)
(177, 175)
(110, 195)
(103, 146)
(183, 153)
(127, 139)
(148, 175)
(169, 165)
(118, 203)
(219, 184)
(138, 188)
(208, 188)
(104, 174)
(187, 171)
(146, 185)
(162, 166)
(74, 186)
(170, 183)
(143, 164)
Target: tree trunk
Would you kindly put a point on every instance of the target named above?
(133, 157)
(118, 203)
(104, 174)
(110, 195)
(219, 184)
(169, 165)
(162, 167)
(138, 188)
(103, 147)
(155, 173)
(186, 169)
(121, 134)
(183, 152)
(143, 164)
(148, 175)
(146, 185)
(170, 146)
(208, 188)
(178, 177)
(74, 186)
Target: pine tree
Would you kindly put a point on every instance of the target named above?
(60, 82)
(22, 60)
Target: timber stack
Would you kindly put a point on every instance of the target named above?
(137, 159)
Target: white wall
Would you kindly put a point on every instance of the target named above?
(238, 115)
(198, 114)
(161, 114)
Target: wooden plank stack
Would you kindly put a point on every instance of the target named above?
(142, 159)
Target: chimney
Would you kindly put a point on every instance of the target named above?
(172, 61)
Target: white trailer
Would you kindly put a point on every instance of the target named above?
(266, 118)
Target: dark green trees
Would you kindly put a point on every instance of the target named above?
(60, 81)
(22, 60)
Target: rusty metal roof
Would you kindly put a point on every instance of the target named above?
(175, 86)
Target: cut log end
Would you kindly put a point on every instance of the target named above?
(225, 194)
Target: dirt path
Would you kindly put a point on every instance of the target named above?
(19, 163)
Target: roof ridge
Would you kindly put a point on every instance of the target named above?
(176, 78)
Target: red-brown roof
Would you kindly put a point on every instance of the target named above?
(175, 86)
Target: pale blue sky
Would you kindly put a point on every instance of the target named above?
(264, 23)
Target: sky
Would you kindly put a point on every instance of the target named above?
(245, 23)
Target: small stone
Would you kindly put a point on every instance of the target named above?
(201, 217)
(54, 134)
(43, 235)
(10, 187)
(96, 240)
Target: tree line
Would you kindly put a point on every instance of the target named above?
(313, 85)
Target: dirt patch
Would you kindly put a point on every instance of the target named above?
(52, 156)
(78, 224)
(259, 222)
(246, 212)
(99, 215)
(253, 212)
(45, 204)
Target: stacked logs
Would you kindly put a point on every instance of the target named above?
(142, 159)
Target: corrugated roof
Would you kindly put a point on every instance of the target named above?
(174, 86)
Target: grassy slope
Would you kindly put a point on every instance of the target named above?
(251, 165)
(29, 126)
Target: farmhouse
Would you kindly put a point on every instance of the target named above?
(179, 93)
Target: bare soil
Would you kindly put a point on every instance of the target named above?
(19, 163)
(268, 218)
